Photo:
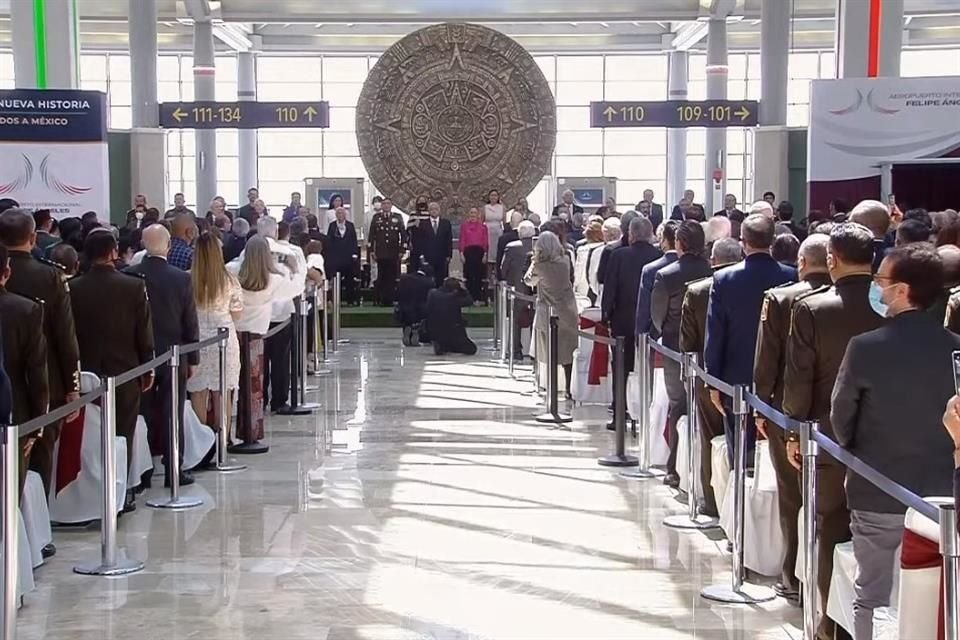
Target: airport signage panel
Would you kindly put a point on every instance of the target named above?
(244, 115)
(675, 113)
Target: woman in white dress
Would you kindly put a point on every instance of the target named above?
(493, 217)
(219, 305)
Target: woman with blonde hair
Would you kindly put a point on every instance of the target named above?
(586, 255)
(219, 304)
(474, 247)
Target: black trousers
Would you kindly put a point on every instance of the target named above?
(441, 269)
(387, 273)
(456, 344)
(158, 411)
(474, 271)
(677, 408)
(348, 284)
(128, 408)
(276, 368)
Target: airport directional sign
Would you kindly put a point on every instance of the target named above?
(675, 113)
(244, 115)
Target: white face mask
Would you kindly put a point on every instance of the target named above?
(139, 215)
(376, 206)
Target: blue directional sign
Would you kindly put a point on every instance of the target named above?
(244, 115)
(675, 113)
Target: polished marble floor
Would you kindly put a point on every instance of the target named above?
(423, 501)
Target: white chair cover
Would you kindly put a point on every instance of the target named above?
(583, 392)
(763, 540)
(36, 517)
(842, 593)
(683, 449)
(25, 583)
(919, 595)
(198, 438)
(141, 461)
(720, 470)
(659, 447)
(79, 501)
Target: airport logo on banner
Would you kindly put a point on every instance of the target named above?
(53, 150)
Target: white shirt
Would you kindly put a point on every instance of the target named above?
(294, 282)
(258, 306)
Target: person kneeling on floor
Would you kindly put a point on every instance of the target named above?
(444, 318)
(411, 308)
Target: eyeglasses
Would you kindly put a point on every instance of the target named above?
(878, 278)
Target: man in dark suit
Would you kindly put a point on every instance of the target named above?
(247, 211)
(668, 244)
(24, 358)
(686, 204)
(46, 281)
(510, 234)
(341, 253)
(822, 324)
(622, 285)
(650, 208)
(612, 246)
(386, 243)
(567, 207)
(411, 309)
(768, 370)
(516, 261)
(666, 308)
(886, 410)
(732, 213)
(173, 314)
(432, 241)
(117, 339)
(874, 215)
(693, 334)
(445, 322)
(733, 319)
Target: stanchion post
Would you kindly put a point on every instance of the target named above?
(496, 317)
(9, 499)
(553, 415)
(317, 310)
(811, 547)
(950, 550)
(293, 406)
(692, 521)
(326, 319)
(111, 561)
(620, 457)
(504, 321)
(335, 342)
(511, 327)
(645, 379)
(738, 592)
(223, 436)
(302, 387)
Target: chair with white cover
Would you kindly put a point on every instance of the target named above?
(720, 470)
(198, 438)
(842, 593)
(76, 484)
(36, 517)
(659, 447)
(141, 461)
(920, 568)
(599, 390)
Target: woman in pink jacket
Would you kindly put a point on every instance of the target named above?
(474, 245)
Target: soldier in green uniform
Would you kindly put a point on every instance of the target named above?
(46, 281)
(115, 339)
(24, 358)
(387, 242)
(822, 324)
(768, 384)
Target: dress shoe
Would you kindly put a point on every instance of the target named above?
(186, 479)
(130, 504)
(48, 551)
(672, 480)
(787, 592)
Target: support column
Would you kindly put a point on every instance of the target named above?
(143, 57)
(716, 147)
(869, 38)
(203, 89)
(46, 46)
(676, 137)
(247, 91)
(771, 171)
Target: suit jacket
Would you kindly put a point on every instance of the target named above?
(516, 260)
(605, 254)
(173, 309)
(6, 393)
(232, 246)
(656, 214)
(117, 339)
(677, 214)
(436, 247)
(508, 236)
(666, 299)
(46, 281)
(951, 318)
(880, 247)
(622, 285)
(822, 325)
(887, 408)
(412, 292)
(24, 355)
(340, 251)
(771, 355)
(444, 315)
(557, 209)
(693, 315)
(733, 315)
(647, 277)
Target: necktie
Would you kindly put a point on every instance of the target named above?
(434, 225)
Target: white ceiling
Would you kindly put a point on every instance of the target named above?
(540, 25)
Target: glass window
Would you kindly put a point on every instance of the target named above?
(579, 142)
(804, 65)
(225, 91)
(753, 89)
(228, 142)
(548, 65)
(737, 64)
(227, 168)
(292, 90)
(120, 93)
(573, 118)
(173, 143)
(630, 192)
(343, 168)
(697, 67)
(537, 199)
(694, 168)
(285, 168)
(186, 91)
(226, 67)
(736, 90)
(174, 169)
(119, 67)
(697, 90)
(94, 85)
(635, 167)
(168, 91)
(696, 141)
(636, 67)
(930, 62)
(186, 69)
(344, 69)
(304, 69)
(798, 115)
(168, 68)
(120, 118)
(276, 194)
(91, 68)
(579, 166)
(576, 93)
(635, 141)
(6, 66)
(189, 142)
(736, 140)
(341, 94)
(574, 68)
(736, 188)
(275, 142)
(635, 90)
(343, 119)
(734, 166)
(828, 64)
(340, 144)
(798, 91)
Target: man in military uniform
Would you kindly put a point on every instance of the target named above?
(693, 333)
(768, 385)
(386, 242)
(117, 340)
(822, 324)
(45, 281)
(24, 358)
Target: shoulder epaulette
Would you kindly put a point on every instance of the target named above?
(955, 290)
(51, 263)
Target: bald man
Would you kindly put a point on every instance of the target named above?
(184, 232)
(173, 312)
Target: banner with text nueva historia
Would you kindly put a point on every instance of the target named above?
(857, 123)
(53, 150)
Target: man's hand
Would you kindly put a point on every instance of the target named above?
(896, 216)
(146, 382)
(951, 420)
(793, 455)
(717, 402)
(192, 370)
(762, 426)
(70, 397)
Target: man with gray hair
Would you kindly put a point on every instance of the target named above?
(567, 207)
(612, 234)
(624, 241)
(516, 259)
(768, 368)
(874, 215)
(622, 284)
(761, 206)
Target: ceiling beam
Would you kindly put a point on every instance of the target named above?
(233, 35)
(688, 35)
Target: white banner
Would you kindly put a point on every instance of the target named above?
(857, 123)
(67, 178)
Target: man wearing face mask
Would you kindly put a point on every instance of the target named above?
(139, 205)
(822, 325)
(893, 379)
(567, 207)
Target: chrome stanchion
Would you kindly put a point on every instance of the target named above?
(692, 520)
(9, 498)
(112, 560)
(223, 437)
(320, 328)
(496, 319)
(738, 592)
(511, 328)
(811, 547)
(304, 350)
(950, 550)
(337, 292)
(553, 415)
(644, 366)
(293, 407)
(619, 457)
(504, 321)
(176, 501)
